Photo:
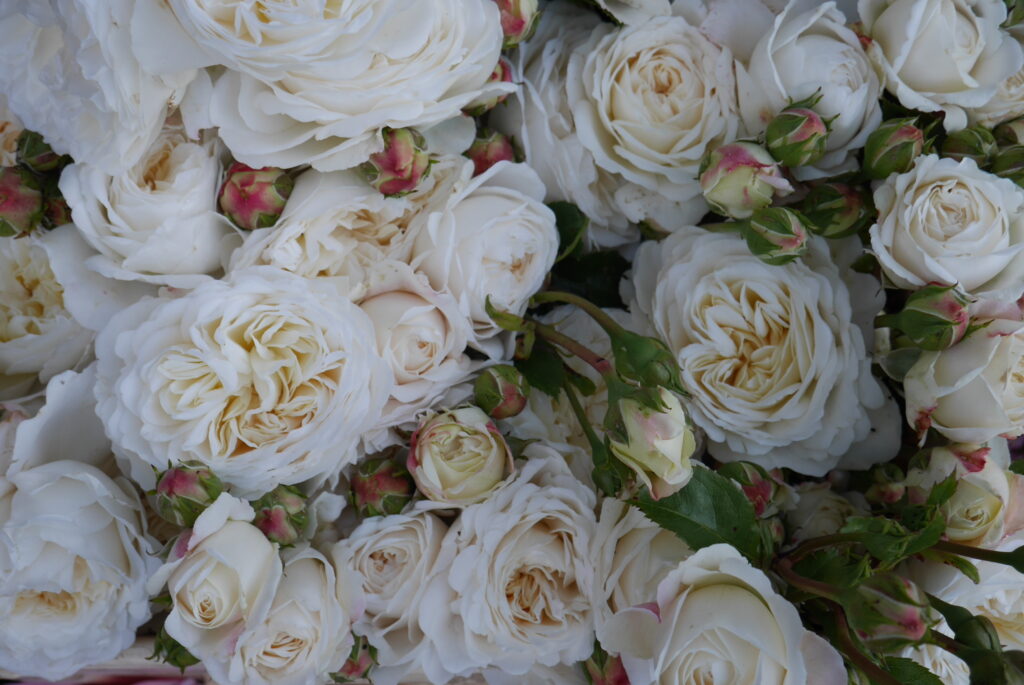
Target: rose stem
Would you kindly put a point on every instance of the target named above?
(1008, 558)
(846, 645)
(549, 333)
(595, 312)
(808, 546)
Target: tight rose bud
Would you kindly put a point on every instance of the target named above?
(518, 20)
(1010, 132)
(361, 661)
(889, 612)
(21, 202)
(892, 147)
(757, 484)
(501, 391)
(489, 148)
(399, 168)
(1009, 163)
(35, 154)
(776, 235)
(458, 456)
(934, 317)
(797, 136)
(502, 74)
(837, 210)
(254, 198)
(976, 143)
(183, 492)
(739, 178)
(659, 444)
(889, 485)
(381, 486)
(605, 669)
(281, 514)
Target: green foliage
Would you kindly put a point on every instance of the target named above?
(543, 369)
(910, 672)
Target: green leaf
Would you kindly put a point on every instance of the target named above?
(170, 651)
(1017, 467)
(942, 491)
(910, 672)
(544, 369)
(711, 509)
(594, 276)
(580, 382)
(572, 226)
(889, 541)
(835, 566)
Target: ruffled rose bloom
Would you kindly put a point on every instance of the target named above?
(156, 222)
(70, 71)
(718, 617)
(807, 53)
(1007, 103)
(776, 368)
(513, 579)
(950, 222)
(393, 556)
(495, 239)
(635, 11)
(974, 391)
(266, 378)
(72, 581)
(945, 55)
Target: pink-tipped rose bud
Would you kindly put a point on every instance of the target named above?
(518, 20)
(381, 486)
(501, 391)
(739, 178)
(254, 198)
(889, 612)
(606, 669)
(502, 74)
(489, 148)
(974, 142)
(776, 235)
(281, 515)
(183, 492)
(934, 318)
(1010, 132)
(35, 154)
(837, 210)
(763, 490)
(21, 202)
(398, 169)
(892, 147)
(797, 136)
(361, 661)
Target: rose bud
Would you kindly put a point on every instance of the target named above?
(184, 491)
(489, 148)
(797, 136)
(934, 317)
(458, 456)
(21, 202)
(775, 235)
(837, 210)
(738, 178)
(1009, 163)
(1010, 132)
(892, 147)
(889, 612)
(518, 20)
(502, 74)
(398, 169)
(889, 485)
(281, 515)
(380, 486)
(35, 154)
(659, 444)
(605, 669)
(763, 491)
(55, 211)
(361, 661)
(976, 143)
(501, 391)
(254, 198)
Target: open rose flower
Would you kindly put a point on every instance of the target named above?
(156, 222)
(716, 614)
(266, 378)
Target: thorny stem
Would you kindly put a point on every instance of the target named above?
(808, 546)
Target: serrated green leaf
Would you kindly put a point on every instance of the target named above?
(835, 566)
(942, 491)
(544, 369)
(910, 672)
(889, 541)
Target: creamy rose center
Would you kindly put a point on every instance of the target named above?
(30, 295)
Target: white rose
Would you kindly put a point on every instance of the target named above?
(394, 556)
(157, 221)
(1007, 103)
(718, 617)
(514, 577)
(10, 129)
(71, 72)
(974, 391)
(818, 511)
(74, 560)
(775, 366)
(635, 11)
(495, 239)
(266, 378)
(943, 55)
(950, 222)
(807, 53)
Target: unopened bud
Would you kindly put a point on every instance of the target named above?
(21, 202)
(489, 148)
(518, 20)
(934, 318)
(254, 198)
(837, 210)
(606, 669)
(281, 514)
(645, 360)
(976, 143)
(1009, 163)
(35, 154)
(797, 136)
(56, 211)
(398, 169)
(1010, 132)
(183, 492)
(501, 391)
(502, 74)
(361, 660)
(381, 486)
(776, 235)
(759, 487)
(892, 147)
(889, 611)
(739, 178)
(658, 445)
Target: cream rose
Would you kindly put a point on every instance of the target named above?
(718, 617)
(10, 129)
(945, 55)
(1007, 103)
(393, 556)
(974, 391)
(514, 577)
(818, 511)
(266, 378)
(807, 53)
(494, 239)
(71, 72)
(156, 222)
(950, 222)
(776, 368)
